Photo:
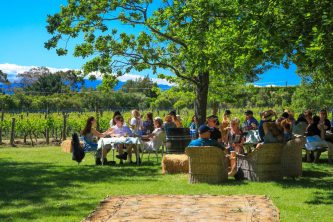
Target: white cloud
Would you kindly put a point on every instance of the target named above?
(12, 70)
(15, 69)
(126, 77)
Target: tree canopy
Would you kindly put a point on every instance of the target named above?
(42, 80)
(201, 42)
(195, 40)
(142, 85)
(3, 77)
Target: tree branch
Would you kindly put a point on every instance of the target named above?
(161, 33)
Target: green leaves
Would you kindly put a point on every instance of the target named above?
(108, 83)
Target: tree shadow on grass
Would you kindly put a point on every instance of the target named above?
(27, 183)
(311, 178)
(321, 197)
(320, 180)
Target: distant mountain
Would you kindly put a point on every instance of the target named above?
(88, 84)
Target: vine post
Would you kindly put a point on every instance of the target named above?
(64, 129)
(12, 133)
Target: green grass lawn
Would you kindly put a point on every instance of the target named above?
(44, 184)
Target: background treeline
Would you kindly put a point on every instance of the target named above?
(302, 97)
(43, 91)
(45, 107)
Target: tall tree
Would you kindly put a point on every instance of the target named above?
(197, 41)
(3, 77)
(48, 84)
(31, 76)
(141, 85)
(72, 77)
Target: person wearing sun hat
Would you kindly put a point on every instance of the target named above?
(204, 138)
(266, 116)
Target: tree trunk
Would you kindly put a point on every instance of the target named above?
(215, 107)
(201, 97)
(32, 142)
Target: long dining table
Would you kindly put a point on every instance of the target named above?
(113, 141)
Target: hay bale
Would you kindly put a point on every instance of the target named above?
(174, 163)
(66, 146)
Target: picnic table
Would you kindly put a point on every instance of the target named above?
(113, 141)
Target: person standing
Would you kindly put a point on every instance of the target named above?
(136, 122)
(194, 127)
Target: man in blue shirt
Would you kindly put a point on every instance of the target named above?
(204, 138)
(250, 122)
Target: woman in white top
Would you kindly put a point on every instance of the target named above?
(136, 122)
(122, 130)
(157, 137)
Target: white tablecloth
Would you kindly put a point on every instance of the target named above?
(119, 140)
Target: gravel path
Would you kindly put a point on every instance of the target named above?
(185, 208)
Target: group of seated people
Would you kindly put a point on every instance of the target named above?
(151, 129)
(271, 129)
(229, 134)
(315, 128)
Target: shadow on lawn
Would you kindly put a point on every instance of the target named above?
(25, 183)
(317, 179)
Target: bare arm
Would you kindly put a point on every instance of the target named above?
(321, 127)
(96, 133)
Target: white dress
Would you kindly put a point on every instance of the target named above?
(157, 140)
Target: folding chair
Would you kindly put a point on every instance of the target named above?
(154, 147)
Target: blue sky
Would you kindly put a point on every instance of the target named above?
(23, 33)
